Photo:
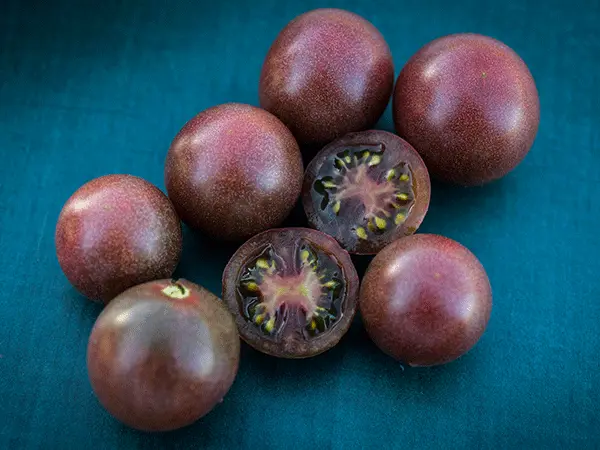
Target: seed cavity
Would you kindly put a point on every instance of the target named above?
(336, 207)
(270, 325)
(281, 292)
(361, 233)
(330, 284)
(376, 159)
(382, 197)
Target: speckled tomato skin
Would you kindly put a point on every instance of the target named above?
(425, 300)
(233, 171)
(328, 73)
(115, 232)
(158, 363)
(469, 105)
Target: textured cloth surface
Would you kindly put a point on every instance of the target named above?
(89, 88)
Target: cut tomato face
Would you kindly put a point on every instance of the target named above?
(292, 291)
(366, 190)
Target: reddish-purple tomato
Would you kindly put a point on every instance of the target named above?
(233, 171)
(115, 232)
(293, 292)
(366, 189)
(162, 354)
(469, 106)
(425, 300)
(328, 73)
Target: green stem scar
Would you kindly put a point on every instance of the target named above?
(176, 290)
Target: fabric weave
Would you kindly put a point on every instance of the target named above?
(89, 88)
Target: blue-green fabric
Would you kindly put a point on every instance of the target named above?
(89, 88)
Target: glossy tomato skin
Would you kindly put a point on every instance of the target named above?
(115, 232)
(469, 105)
(334, 290)
(162, 354)
(425, 300)
(367, 172)
(233, 171)
(328, 73)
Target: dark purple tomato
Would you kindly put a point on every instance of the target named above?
(469, 106)
(233, 171)
(329, 72)
(293, 292)
(366, 190)
(162, 355)
(425, 300)
(115, 232)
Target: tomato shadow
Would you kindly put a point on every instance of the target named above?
(203, 259)
(296, 218)
(312, 371)
(361, 263)
(80, 306)
(207, 431)
(304, 373)
(355, 348)
(309, 151)
(385, 123)
(408, 385)
(457, 210)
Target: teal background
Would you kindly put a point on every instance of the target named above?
(89, 88)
